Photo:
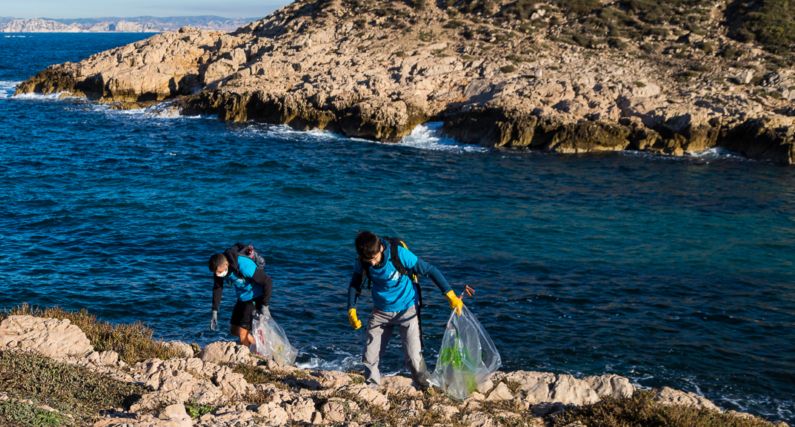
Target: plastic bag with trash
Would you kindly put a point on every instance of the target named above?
(467, 356)
(270, 339)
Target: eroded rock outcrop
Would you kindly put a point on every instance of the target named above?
(375, 69)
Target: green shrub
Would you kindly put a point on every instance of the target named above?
(769, 22)
(24, 414)
(70, 389)
(196, 410)
(642, 410)
(508, 69)
(426, 36)
(616, 43)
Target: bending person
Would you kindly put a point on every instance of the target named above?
(237, 267)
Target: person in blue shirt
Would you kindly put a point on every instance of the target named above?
(395, 300)
(238, 268)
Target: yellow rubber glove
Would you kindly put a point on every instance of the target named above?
(353, 319)
(455, 302)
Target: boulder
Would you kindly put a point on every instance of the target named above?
(669, 396)
(572, 391)
(500, 393)
(55, 338)
(364, 393)
(338, 410)
(399, 385)
(176, 414)
(225, 353)
(610, 385)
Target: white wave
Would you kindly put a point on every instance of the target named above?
(286, 132)
(60, 96)
(428, 136)
(705, 156)
(15, 36)
(160, 111)
(345, 363)
(7, 88)
(716, 153)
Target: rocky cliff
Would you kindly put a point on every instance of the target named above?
(49, 370)
(563, 76)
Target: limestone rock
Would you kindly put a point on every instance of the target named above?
(176, 414)
(273, 414)
(104, 358)
(610, 385)
(500, 393)
(364, 393)
(669, 396)
(572, 391)
(225, 352)
(338, 410)
(399, 385)
(55, 338)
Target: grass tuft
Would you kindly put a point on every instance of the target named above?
(134, 342)
(641, 410)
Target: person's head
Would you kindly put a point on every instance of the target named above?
(369, 248)
(219, 265)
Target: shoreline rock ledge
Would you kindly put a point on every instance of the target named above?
(494, 72)
(224, 385)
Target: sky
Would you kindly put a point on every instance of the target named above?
(103, 8)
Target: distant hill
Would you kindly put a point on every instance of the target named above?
(118, 24)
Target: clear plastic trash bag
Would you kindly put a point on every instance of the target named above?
(270, 339)
(466, 358)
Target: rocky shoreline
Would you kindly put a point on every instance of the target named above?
(224, 385)
(376, 69)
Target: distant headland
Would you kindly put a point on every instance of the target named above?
(137, 24)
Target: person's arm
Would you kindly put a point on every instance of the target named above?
(354, 289)
(420, 267)
(218, 291)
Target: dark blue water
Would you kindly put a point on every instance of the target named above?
(671, 272)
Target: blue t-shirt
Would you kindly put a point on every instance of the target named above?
(243, 288)
(392, 291)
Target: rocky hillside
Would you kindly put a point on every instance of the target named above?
(569, 76)
(52, 373)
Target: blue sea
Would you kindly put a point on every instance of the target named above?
(676, 272)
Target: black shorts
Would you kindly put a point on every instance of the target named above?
(243, 313)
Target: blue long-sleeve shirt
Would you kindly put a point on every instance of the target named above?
(392, 291)
(250, 283)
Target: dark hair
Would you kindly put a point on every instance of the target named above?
(368, 245)
(215, 261)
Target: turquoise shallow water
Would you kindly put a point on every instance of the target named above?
(669, 271)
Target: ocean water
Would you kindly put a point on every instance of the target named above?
(676, 272)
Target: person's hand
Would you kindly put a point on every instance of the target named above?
(455, 302)
(214, 321)
(265, 312)
(353, 319)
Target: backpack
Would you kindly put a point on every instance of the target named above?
(248, 251)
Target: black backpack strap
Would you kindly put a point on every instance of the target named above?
(394, 243)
